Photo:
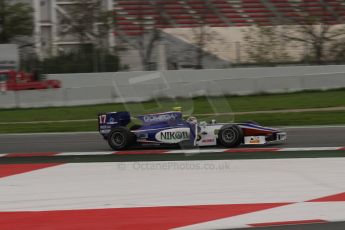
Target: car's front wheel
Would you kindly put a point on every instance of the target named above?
(120, 138)
(230, 136)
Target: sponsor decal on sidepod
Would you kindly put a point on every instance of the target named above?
(173, 135)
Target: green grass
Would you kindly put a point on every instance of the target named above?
(305, 118)
(196, 106)
(276, 119)
(199, 105)
(170, 157)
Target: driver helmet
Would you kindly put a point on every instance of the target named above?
(192, 120)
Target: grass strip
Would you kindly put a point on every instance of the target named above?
(199, 105)
(171, 157)
(274, 119)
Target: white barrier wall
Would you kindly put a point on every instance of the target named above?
(96, 88)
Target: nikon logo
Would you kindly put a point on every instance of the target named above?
(173, 135)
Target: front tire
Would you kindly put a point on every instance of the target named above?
(230, 136)
(120, 138)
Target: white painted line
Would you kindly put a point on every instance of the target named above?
(311, 127)
(54, 133)
(327, 109)
(44, 122)
(310, 149)
(83, 153)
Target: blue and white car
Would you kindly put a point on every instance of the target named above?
(169, 128)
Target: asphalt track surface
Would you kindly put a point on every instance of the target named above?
(330, 136)
(88, 142)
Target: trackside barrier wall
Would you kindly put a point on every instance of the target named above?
(97, 88)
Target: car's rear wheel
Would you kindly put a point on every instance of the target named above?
(230, 136)
(120, 138)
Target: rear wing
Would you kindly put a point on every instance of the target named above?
(107, 121)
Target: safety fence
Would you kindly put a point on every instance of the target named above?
(99, 88)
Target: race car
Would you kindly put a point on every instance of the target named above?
(169, 128)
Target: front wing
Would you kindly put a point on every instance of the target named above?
(267, 139)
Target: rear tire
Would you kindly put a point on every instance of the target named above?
(120, 138)
(230, 136)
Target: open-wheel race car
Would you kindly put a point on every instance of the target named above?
(169, 128)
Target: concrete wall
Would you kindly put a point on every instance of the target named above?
(95, 88)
